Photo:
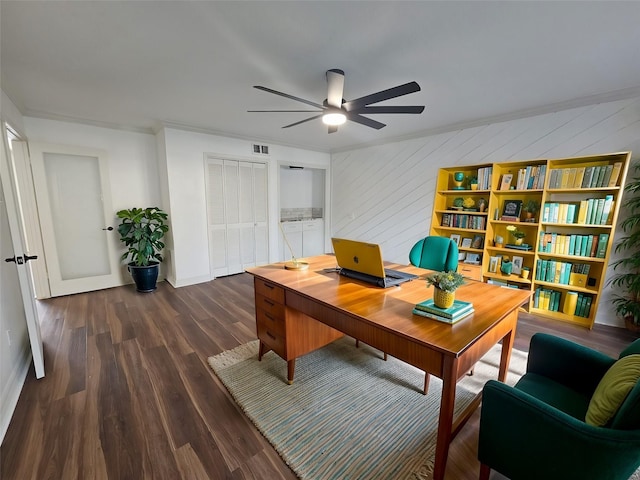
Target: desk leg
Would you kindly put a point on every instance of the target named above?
(445, 423)
(507, 346)
(291, 368)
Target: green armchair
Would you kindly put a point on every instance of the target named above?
(537, 428)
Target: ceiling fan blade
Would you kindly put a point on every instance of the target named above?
(335, 87)
(389, 109)
(383, 95)
(286, 95)
(365, 121)
(272, 111)
(302, 121)
(333, 128)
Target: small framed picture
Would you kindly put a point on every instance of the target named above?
(473, 258)
(493, 264)
(462, 256)
(477, 242)
(456, 238)
(506, 181)
(517, 265)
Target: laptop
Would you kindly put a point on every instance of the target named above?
(363, 261)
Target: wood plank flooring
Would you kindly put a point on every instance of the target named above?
(128, 393)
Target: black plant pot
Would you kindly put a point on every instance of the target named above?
(145, 277)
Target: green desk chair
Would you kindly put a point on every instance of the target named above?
(562, 419)
(432, 253)
(435, 253)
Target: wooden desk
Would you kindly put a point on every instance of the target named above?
(300, 311)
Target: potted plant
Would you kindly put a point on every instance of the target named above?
(458, 203)
(142, 230)
(627, 278)
(473, 182)
(530, 209)
(445, 285)
(518, 235)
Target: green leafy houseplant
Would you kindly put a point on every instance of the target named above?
(446, 281)
(531, 207)
(142, 230)
(627, 277)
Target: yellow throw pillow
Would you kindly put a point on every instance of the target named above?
(612, 390)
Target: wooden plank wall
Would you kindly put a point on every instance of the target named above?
(384, 194)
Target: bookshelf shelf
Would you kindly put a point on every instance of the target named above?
(571, 230)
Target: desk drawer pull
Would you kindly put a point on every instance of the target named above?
(271, 335)
(268, 285)
(269, 302)
(269, 317)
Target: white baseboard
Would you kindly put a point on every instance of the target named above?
(11, 392)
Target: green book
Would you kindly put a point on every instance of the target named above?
(440, 318)
(603, 239)
(458, 308)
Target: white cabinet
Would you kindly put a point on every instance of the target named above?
(312, 237)
(306, 238)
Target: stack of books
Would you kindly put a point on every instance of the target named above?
(458, 311)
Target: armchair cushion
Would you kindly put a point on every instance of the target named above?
(555, 394)
(613, 390)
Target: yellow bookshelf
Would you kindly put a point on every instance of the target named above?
(570, 234)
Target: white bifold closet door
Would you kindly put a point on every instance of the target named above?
(237, 215)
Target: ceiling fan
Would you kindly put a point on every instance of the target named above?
(335, 110)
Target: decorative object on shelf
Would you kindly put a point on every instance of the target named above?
(142, 230)
(506, 266)
(458, 203)
(481, 204)
(525, 272)
(478, 241)
(518, 235)
(469, 204)
(498, 241)
(473, 182)
(517, 265)
(530, 209)
(445, 285)
(506, 181)
(458, 178)
(511, 210)
(627, 277)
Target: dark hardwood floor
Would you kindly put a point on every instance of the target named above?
(128, 393)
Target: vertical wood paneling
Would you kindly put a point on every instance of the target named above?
(384, 193)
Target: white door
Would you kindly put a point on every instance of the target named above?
(16, 301)
(77, 219)
(237, 215)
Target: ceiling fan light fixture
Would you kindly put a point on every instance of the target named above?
(334, 118)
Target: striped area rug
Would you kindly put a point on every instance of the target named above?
(348, 414)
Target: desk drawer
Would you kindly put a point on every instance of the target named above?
(276, 309)
(269, 290)
(272, 322)
(273, 339)
(474, 272)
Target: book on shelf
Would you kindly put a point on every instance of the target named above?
(615, 174)
(458, 308)
(440, 318)
(525, 246)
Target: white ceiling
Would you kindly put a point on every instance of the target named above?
(141, 64)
